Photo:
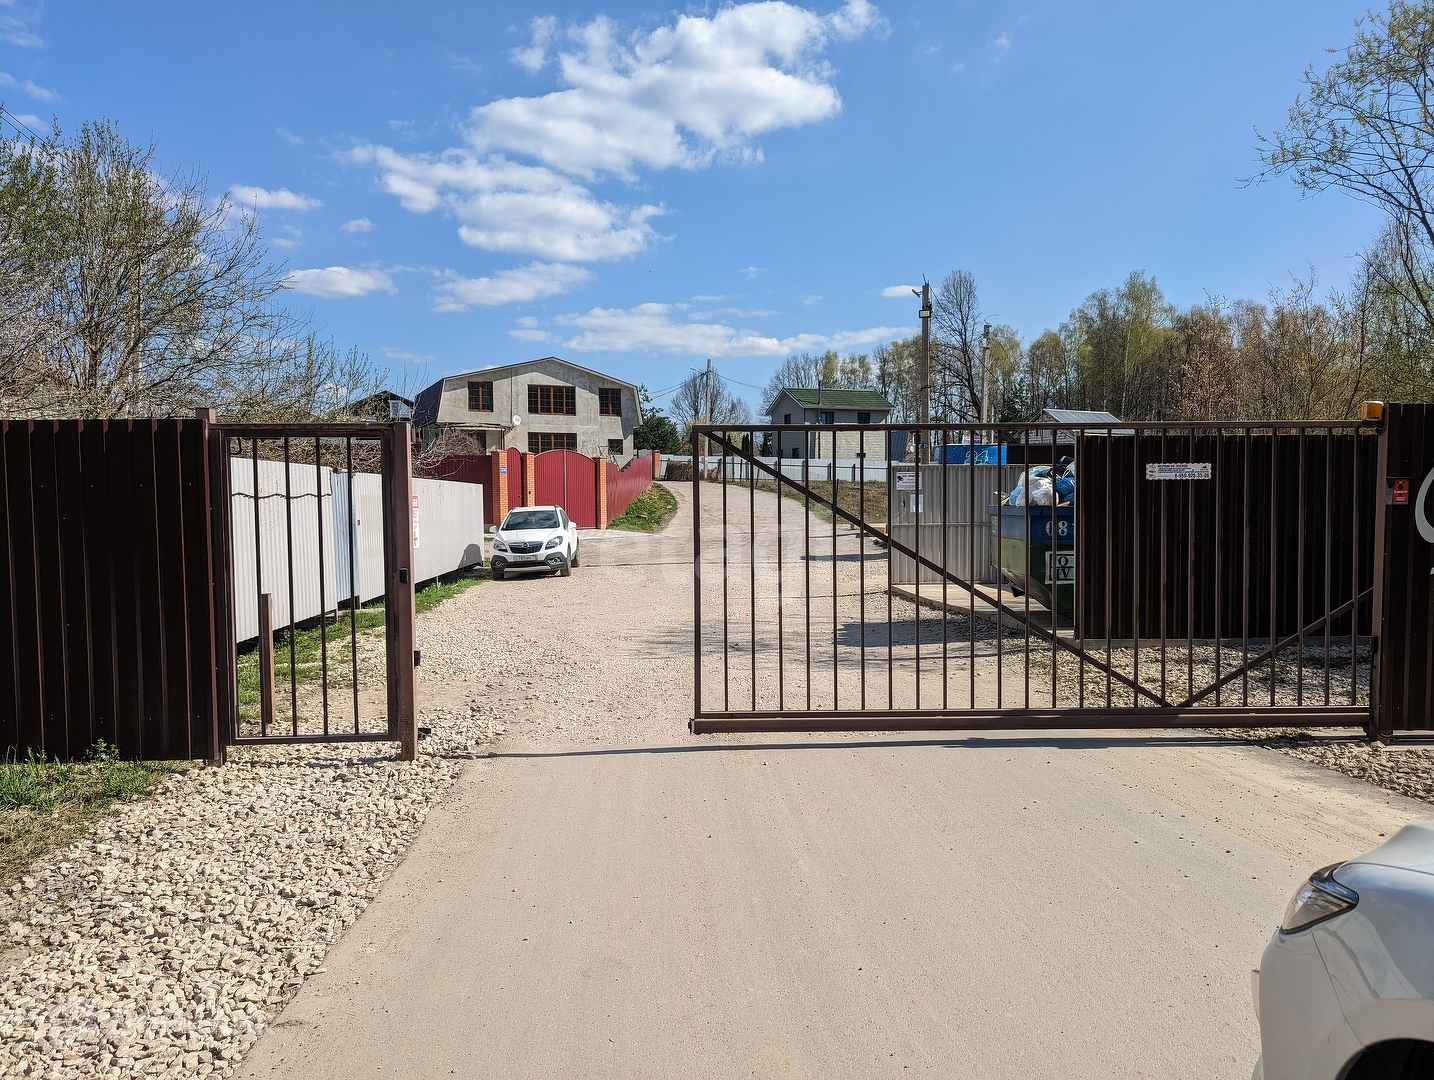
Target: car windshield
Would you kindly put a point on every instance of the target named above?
(520, 520)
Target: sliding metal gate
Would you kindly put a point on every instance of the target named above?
(1182, 574)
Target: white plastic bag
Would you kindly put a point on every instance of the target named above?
(1041, 492)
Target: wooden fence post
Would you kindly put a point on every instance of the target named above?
(600, 479)
(398, 587)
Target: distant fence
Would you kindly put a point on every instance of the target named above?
(627, 483)
(822, 470)
(592, 490)
(448, 528)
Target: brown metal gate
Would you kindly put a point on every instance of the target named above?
(1211, 575)
(1404, 540)
(117, 587)
(290, 504)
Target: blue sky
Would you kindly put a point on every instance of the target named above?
(639, 188)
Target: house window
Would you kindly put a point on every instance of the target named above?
(609, 402)
(796, 452)
(863, 418)
(615, 446)
(786, 418)
(553, 399)
(541, 441)
(826, 418)
(480, 397)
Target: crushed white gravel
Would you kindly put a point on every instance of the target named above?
(164, 940)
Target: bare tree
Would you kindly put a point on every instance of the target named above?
(804, 370)
(152, 299)
(956, 349)
(690, 404)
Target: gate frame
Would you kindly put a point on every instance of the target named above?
(396, 457)
(710, 721)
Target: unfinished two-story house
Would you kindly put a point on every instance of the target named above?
(536, 405)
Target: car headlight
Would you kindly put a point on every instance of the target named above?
(498, 545)
(554, 542)
(1318, 899)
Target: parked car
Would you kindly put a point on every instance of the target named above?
(535, 538)
(1345, 989)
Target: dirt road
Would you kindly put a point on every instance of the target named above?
(610, 896)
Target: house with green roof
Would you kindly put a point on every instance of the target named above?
(824, 407)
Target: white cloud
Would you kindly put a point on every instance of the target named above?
(527, 321)
(516, 286)
(406, 356)
(264, 199)
(812, 299)
(686, 94)
(532, 57)
(15, 29)
(288, 136)
(528, 334)
(357, 225)
(30, 120)
(290, 239)
(30, 89)
(652, 328)
(681, 95)
(1001, 46)
(893, 292)
(339, 282)
(752, 271)
(504, 206)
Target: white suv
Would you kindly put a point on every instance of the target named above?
(535, 538)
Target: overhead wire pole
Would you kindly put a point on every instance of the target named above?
(923, 406)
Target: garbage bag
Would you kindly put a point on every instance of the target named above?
(1042, 492)
(1065, 489)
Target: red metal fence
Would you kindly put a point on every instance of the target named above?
(568, 479)
(107, 589)
(627, 483)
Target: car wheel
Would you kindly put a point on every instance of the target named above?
(565, 570)
(497, 575)
(574, 561)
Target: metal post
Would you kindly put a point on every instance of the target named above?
(398, 587)
(266, 662)
(923, 452)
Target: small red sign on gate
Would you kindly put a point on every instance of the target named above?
(1399, 494)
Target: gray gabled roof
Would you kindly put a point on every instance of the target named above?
(1079, 416)
(828, 397)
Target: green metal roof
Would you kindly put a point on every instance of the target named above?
(831, 398)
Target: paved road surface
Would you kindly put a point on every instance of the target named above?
(994, 906)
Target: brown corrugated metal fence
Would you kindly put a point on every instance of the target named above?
(107, 618)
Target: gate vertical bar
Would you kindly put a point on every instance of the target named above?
(398, 586)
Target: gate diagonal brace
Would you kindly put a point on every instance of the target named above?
(1231, 676)
(720, 437)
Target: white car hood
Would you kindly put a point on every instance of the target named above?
(1411, 848)
(529, 536)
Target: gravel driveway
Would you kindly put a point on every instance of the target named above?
(167, 940)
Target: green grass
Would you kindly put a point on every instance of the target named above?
(46, 804)
(849, 497)
(649, 512)
(308, 654)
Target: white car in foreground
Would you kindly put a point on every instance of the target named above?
(535, 538)
(1345, 990)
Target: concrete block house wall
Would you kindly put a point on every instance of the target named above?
(821, 407)
(604, 410)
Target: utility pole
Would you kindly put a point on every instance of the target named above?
(706, 409)
(985, 376)
(923, 406)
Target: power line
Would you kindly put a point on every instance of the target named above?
(6, 114)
